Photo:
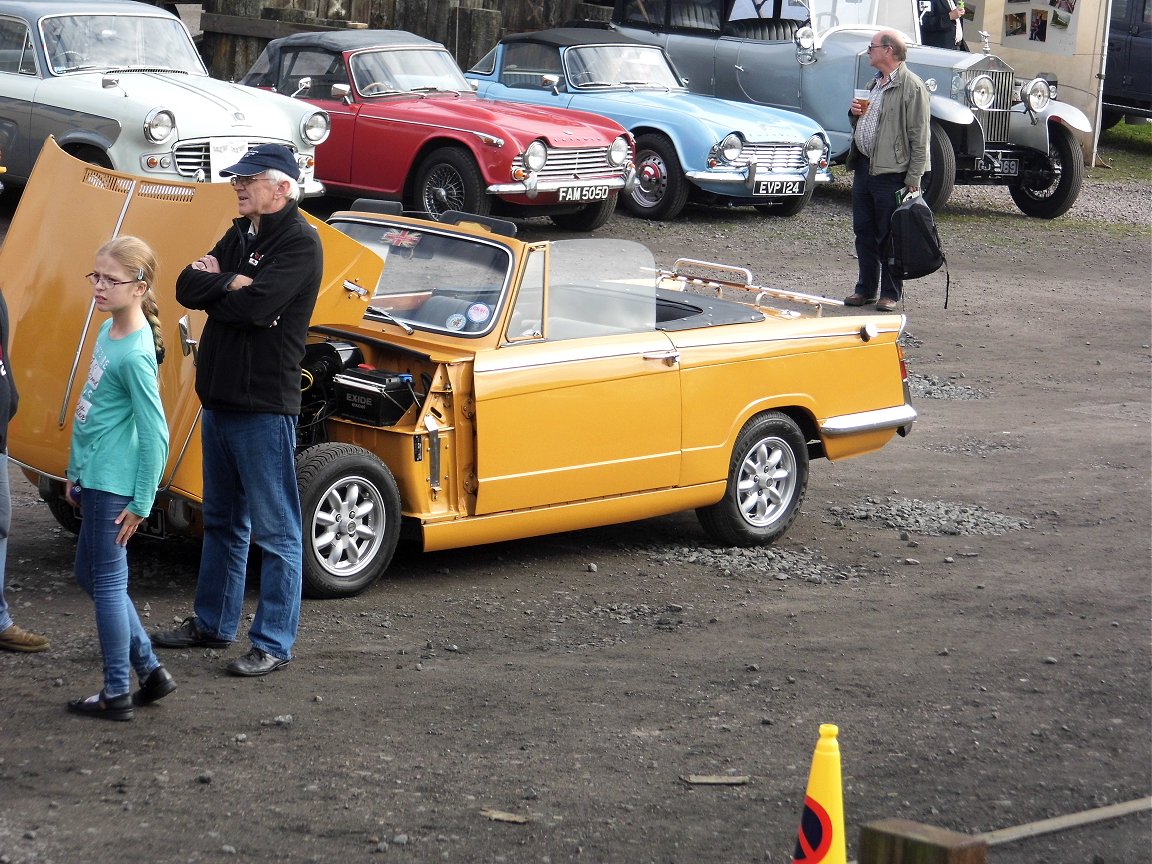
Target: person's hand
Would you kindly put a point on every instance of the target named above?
(908, 190)
(856, 108)
(208, 264)
(239, 281)
(128, 522)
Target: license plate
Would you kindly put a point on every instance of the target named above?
(778, 187)
(224, 153)
(1007, 167)
(584, 193)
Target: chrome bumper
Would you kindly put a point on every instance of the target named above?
(899, 417)
(533, 186)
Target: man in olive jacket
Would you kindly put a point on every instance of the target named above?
(258, 286)
(889, 155)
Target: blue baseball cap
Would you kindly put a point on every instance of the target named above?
(262, 158)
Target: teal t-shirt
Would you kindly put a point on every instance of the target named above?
(119, 434)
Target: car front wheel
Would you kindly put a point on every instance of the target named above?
(449, 179)
(937, 183)
(662, 190)
(767, 479)
(790, 206)
(1051, 189)
(350, 509)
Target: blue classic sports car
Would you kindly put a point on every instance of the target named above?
(687, 145)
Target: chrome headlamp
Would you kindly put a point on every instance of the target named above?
(619, 151)
(159, 124)
(1036, 94)
(315, 127)
(981, 92)
(815, 149)
(536, 155)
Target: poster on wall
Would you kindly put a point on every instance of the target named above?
(1048, 26)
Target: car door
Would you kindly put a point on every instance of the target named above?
(1128, 73)
(563, 420)
(18, 83)
(324, 69)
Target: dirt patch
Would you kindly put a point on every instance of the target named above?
(971, 606)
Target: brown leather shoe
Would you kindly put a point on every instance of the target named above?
(18, 639)
(858, 300)
(884, 304)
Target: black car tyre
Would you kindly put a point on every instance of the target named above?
(937, 184)
(91, 155)
(790, 206)
(767, 479)
(65, 515)
(662, 190)
(586, 218)
(350, 510)
(1051, 190)
(449, 179)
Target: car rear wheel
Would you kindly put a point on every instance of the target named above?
(1051, 190)
(767, 479)
(937, 184)
(449, 179)
(350, 508)
(662, 190)
(790, 206)
(91, 155)
(65, 515)
(586, 218)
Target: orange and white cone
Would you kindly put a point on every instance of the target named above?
(820, 839)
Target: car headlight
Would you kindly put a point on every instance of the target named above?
(731, 147)
(315, 127)
(814, 149)
(619, 151)
(536, 155)
(981, 92)
(1036, 94)
(158, 125)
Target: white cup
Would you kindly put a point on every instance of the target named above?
(863, 97)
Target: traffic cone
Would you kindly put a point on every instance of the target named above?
(820, 839)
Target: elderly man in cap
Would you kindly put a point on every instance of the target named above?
(258, 286)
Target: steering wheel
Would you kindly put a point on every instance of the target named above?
(369, 89)
(67, 59)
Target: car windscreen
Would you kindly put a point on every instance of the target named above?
(598, 286)
(601, 65)
(895, 14)
(434, 281)
(377, 73)
(74, 43)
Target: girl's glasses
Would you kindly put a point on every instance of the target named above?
(95, 279)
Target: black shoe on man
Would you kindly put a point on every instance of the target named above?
(256, 663)
(188, 635)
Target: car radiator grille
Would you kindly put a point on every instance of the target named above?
(192, 155)
(574, 164)
(994, 121)
(777, 158)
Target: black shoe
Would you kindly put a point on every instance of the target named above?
(188, 635)
(255, 663)
(157, 685)
(856, 299)
(116, 708)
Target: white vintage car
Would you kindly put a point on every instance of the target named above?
(121, 85)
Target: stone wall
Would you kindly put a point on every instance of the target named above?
(235, 31)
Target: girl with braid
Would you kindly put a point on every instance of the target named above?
(119, 448)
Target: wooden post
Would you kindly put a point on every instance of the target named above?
(900, 841)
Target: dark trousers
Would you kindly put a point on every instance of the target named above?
(873, 201)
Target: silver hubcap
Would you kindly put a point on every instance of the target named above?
(652, 174)
(767, 482)
(348, 526)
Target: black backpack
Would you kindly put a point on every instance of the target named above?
(913, 248)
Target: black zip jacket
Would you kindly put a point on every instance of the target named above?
(253, 342)
(8, 396)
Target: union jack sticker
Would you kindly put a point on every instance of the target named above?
(402, 238)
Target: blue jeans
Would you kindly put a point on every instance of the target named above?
(102, 571)
(5, 527)
(873, 202)
(250, 495)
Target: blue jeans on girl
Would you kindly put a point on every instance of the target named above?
(102, 571)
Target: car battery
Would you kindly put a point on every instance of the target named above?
(372, 396)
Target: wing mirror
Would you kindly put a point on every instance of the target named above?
(302, 86)
(188, 345)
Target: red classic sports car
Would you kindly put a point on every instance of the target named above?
(406, 125)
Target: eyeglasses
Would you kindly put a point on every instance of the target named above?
(244, 182)
(873, 47)
(95, 279)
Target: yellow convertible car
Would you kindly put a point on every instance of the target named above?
(463, 386)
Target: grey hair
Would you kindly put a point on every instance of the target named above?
(280, 177)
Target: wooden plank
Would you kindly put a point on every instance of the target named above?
(1069, 820)
(897, 841)
(233, 25)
